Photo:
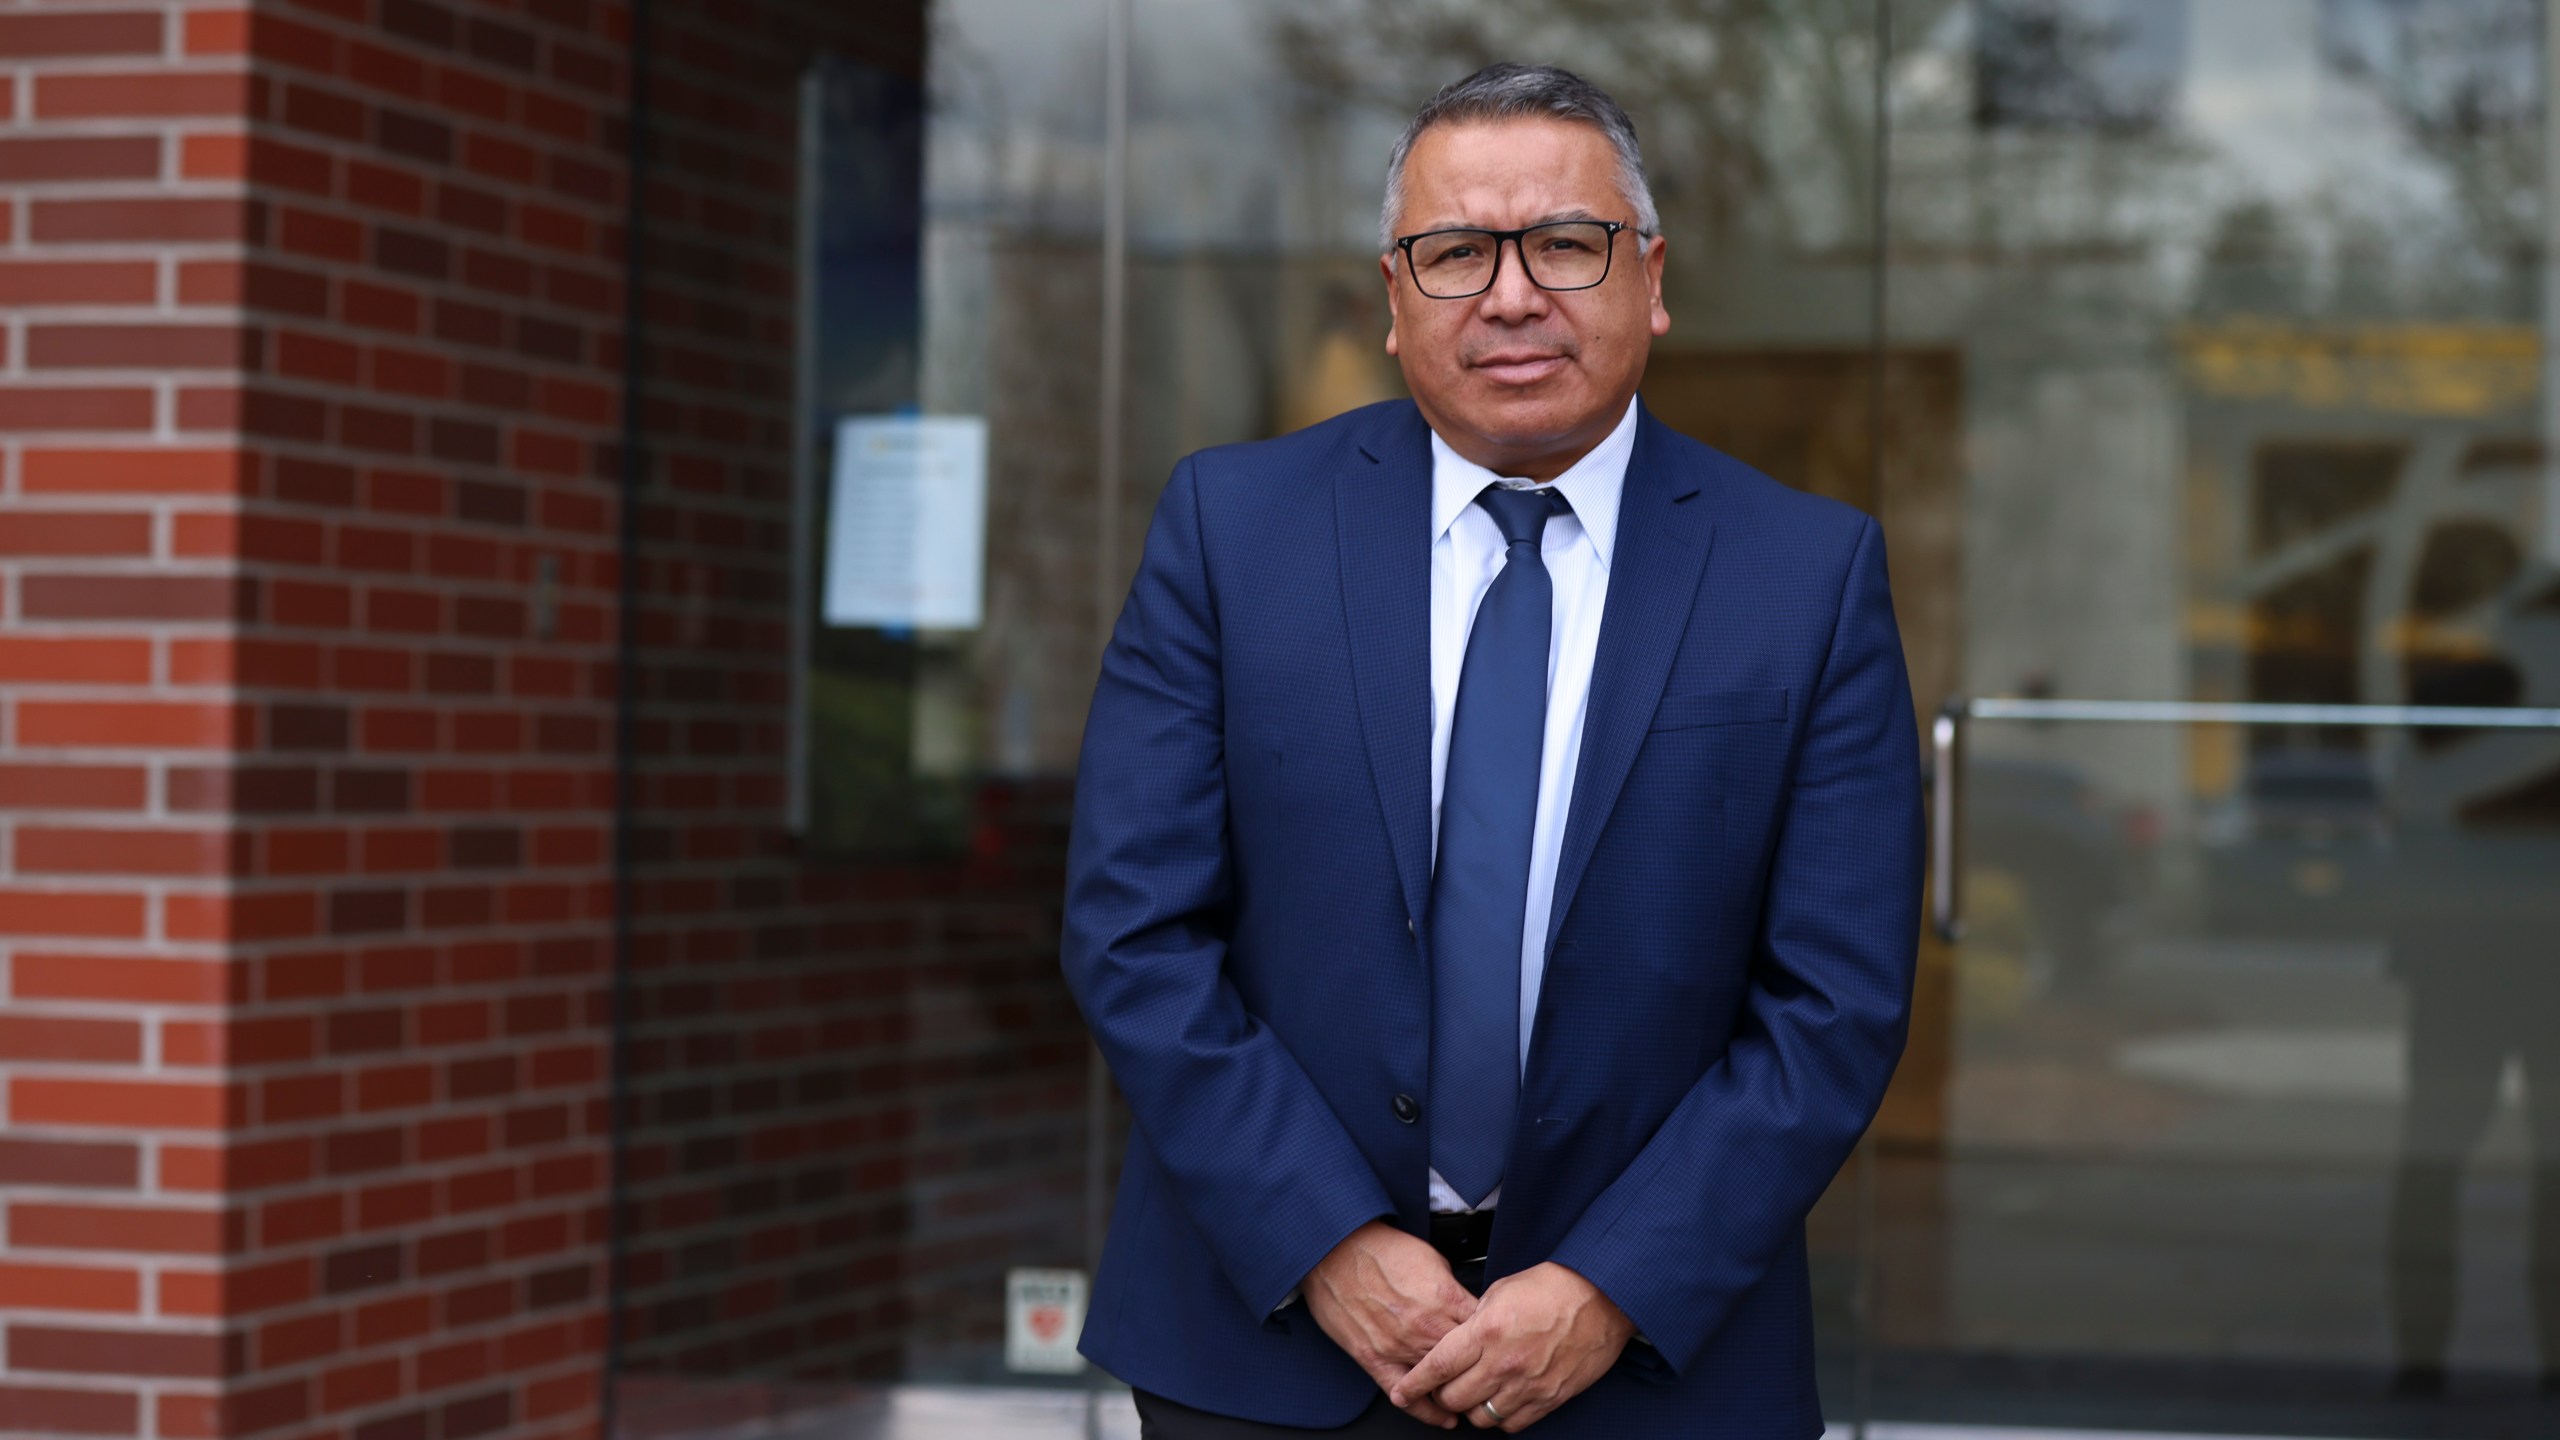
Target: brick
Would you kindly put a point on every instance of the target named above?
(316, 357)
(382, 187)
(79, 159)
(43, 1410)
(362, 1268)
(500, 158)
(74, 532)
(302, 1219)
(148, 95)
(420, 20)
(316, 605)
(323, 112)
(401, 1317)
(31, 659)
(134, 1104)
(370, 1382)
(44, 1226)
(70, 1287)
(403, 1205)
(63, 786)
(379, 67)
(69, 850)
(69, 1164)
(128, 596)
(410, 252)
(140, 347)
(307, 852)
(67, 914)
(217, 32)
(468, 93)
(375, 307)
(136, 724)
(315, 482)
(304, 1337)
(141, 472)
(69, 1039)
(155, 1354)
(162, 220)
(324, 237)
(307, 727)
(140, 980)
(79, 33)
(34, 284)
(409, 372)
(29, 407)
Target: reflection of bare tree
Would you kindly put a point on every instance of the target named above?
(2047, 63)
(1758, 116)
(2463, 79)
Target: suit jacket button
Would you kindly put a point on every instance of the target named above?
(1406, 1110)
(1408, 925)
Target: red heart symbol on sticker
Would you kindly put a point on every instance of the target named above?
(1047, 1320)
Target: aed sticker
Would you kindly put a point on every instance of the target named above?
(1043, 1315)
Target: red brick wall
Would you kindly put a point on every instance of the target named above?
(307, 542)
(309, 378)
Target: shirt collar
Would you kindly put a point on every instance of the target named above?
(1591, 486)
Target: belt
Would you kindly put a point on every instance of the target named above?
(1463, 1238)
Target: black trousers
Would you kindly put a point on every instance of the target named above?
(1162, 1419)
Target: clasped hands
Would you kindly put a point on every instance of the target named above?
(1535, 1340)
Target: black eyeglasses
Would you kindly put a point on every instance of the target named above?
(1559, 255)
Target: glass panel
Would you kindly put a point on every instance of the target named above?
(2245, 1128)
(859, 1094)
(2239, 307)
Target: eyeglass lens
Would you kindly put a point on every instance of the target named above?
(1564, 255)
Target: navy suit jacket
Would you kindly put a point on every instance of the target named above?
(1729, 965)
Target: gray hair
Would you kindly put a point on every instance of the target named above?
(1509, 91)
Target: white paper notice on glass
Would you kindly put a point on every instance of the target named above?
(907, 532)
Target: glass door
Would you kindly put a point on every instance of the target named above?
(2230, 1099)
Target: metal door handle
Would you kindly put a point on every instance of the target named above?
(1946, 750)
(1946, 747)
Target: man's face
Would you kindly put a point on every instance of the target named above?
(1518, 379)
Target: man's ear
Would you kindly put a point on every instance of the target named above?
(1660, 321)
(1387, 271)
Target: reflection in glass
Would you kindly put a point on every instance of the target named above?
(2245, 297)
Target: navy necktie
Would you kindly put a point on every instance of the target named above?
(1480, 881)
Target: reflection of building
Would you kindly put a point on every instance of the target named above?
(2361, 502)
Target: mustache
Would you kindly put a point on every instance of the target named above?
(1474, 352)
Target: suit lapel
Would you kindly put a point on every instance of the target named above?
(1382, 525)
(1664, 532)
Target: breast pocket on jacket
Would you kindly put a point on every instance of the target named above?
(1720, 707)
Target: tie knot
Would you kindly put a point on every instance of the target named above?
(1522, 514)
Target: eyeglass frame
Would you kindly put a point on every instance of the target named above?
(1608, 261)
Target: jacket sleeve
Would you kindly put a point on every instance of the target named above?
(1259, 1161)
(1694, 1221)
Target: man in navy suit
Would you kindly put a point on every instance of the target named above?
(1495, 874)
